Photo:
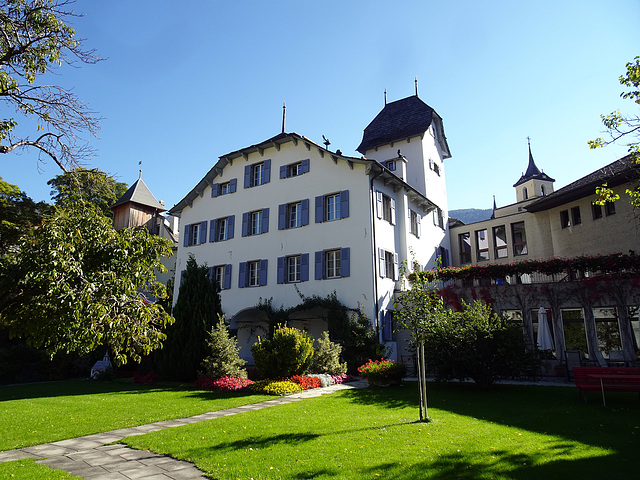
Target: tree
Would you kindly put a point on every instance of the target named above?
(196, 311)
(288, 353)
(89, 185)
(77, 284)
(223, 359)
(623, 126)
(19, 214)
(326, 357)
(35, 39)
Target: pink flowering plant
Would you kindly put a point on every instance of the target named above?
(225, 384)
(382, 372)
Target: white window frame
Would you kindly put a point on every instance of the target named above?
(332, 263)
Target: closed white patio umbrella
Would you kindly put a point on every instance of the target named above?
(545, 341)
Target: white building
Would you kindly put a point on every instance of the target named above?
(287, 217)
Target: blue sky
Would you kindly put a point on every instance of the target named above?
(185, 82)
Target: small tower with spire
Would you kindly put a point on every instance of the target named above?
(534, 182)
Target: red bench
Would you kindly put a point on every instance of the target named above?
(614, 379)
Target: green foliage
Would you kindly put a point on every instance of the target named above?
(383, 372)
(619, 126)
(18, 215)
(93, 186)
(223, 360)
(196, 311)
(478, 344)
(288, 353)
(326, 357)
(35, 39)
(77, 284)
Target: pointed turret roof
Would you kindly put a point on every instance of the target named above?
(140, 193)
(533, 173)
(400, 120)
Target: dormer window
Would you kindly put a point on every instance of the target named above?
(525, 193)
(390, 164)
(542, 192)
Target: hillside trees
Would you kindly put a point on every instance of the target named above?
(35, 38)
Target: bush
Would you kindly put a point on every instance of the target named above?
(346, 378)
(288, 353)
(225, 384)
(223, 360)
(326, 357)
(307, 382)
(383, 372)
(275, 387)
(149, 377)
(478, 344)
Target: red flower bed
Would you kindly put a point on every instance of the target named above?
(307, 383)
(226, 384)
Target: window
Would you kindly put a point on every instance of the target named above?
(519, 238)
(443, 254)
(500, 242)
(293, 215)
(609, 208)
(464, 241)
(255, 223)
(195, 234)
(596, 211)
(564, 219)
(575, 215)
(391, 165)
(386, 207)
(294, 169)
(438, 218)
(525, 193)
(293, 269)
(257, 174)
(388, 264)
(225, 188)
(542, 190)
(221, 229)
(414, 223)
(334, 263)
(253, 273)
(482, 245)
(221, 274)
(332, 207)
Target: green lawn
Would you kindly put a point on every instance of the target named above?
(46, 412)
(28, 470)
(513, 432)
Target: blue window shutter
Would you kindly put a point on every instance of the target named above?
(215, 188)
(213, 226)
(345, 262)
(281, 267)
(379, 204)
(182, 277)
(227, 276)
(386, 326)
(304, 267)
(305, 211)
(305, 165)
(266, 171)
(245, 224)
(242, 275)
(233, 185)
(203, 232)
(393, 211)
(247, 176)
(396, 271)
(446, 256)
(319, 264)
(230, 225)
(320, 209)
(263, 271)
(265, 220)
(381, 263)
(283, 171)
(344, 204)
(187, 231)
(210, 273)
(282, 216)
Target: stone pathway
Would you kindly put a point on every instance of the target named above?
(91, 458)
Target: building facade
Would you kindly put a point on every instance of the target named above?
(287, 218)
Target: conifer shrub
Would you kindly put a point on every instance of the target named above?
(288, 353)
(326, 357)
(223, 359)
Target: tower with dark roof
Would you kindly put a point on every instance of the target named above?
(533, 183)
(137, 207)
